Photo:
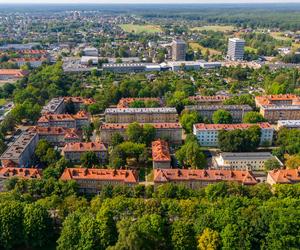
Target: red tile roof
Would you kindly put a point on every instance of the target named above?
(155, 125)
(125, 176)
(160, 151)
(125, 102)
(67, 132)
(84, 146)
(170, 175)
(14, 72)
(203, 126)
(63, 117)
(285, 176)
(267, 100)
(79, 99)
(25, 173)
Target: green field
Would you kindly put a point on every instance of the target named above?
(250, 49)
(195, 46)
(221, 28)
(137, 28)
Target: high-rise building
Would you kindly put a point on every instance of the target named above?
(178, 50)
(236, 49)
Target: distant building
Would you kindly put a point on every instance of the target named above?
(279, 107)
(253, 161)
(126, 102)
(78, 102)
(12, 74)
(209, 100)
(92, 180)
(179, 48)
(210, 65)
(160, 154)
(54, 106)
(236, 49)
(207, 134)
(22, 173)
(86, 60)
(90, 52)
(124, 67)
(237, 111)
(197, 178)
(284, 176)
(183, 65)
(21, 151)
(172, 132)
(74, 150)
(141, 115)
(57, 136)
(64, 120)
(33, 62)
(289, 124)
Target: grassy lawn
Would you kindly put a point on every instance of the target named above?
(280, 36)
(250, 49)
(2, 102)
(221, 28)
(136, 28)
(196, 46)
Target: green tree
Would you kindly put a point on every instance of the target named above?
(271, 164)
(183, 235)
(38, 228)
(253, 117)
(134, 132)
(209, 240)
(89, 159)
(116, 139)
(222, 117)
(188, 119)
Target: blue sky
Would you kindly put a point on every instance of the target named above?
(148, 1)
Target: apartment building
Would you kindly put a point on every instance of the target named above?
(253, 161)
(279, 107)
(126, 102)
(93, 180)
(209, 100)
(12, 74)
(179, 48)
(161, 154)
(141, 115)
(284, 176)
(237, 111)
(54, 106)
(74, 150)
(236, 49)
(289, 124)
(64, 120)
(78, 102)
(21, 151)
(207, 134)
(197, 178)
(172, 132)
(58, 136)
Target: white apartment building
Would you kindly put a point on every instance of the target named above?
(236, 49)
(252, 161)
(207, 134)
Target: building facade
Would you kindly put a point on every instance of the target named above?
(253, 161)
(279, 107)
(93, 180)
(208, 100)
(207, 134)
(124, 67)
(198, 178)
(289, 124)
(74, 150)
(21, 151)
(161, 154)
(236, 49)
(141, 115)
(172, 132)
(179, 50)
(237, 111)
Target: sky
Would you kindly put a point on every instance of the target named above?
(144, 1)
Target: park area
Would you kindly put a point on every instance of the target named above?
(216, 28)
(141, 28)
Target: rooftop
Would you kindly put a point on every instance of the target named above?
(67, 132)
(125, 102)
(79, 99)
(217, 107)
(215, 98)
(140, 110)
(171, 125)
(285, 176)
(14, 72)
(228, 156)
(167, 175)
(126, 176)
(24, 173)
(277, 99)
(160, 151)
(18, 147)
(84, 146)
(288, 123)
(52, 105)
(203, 126)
